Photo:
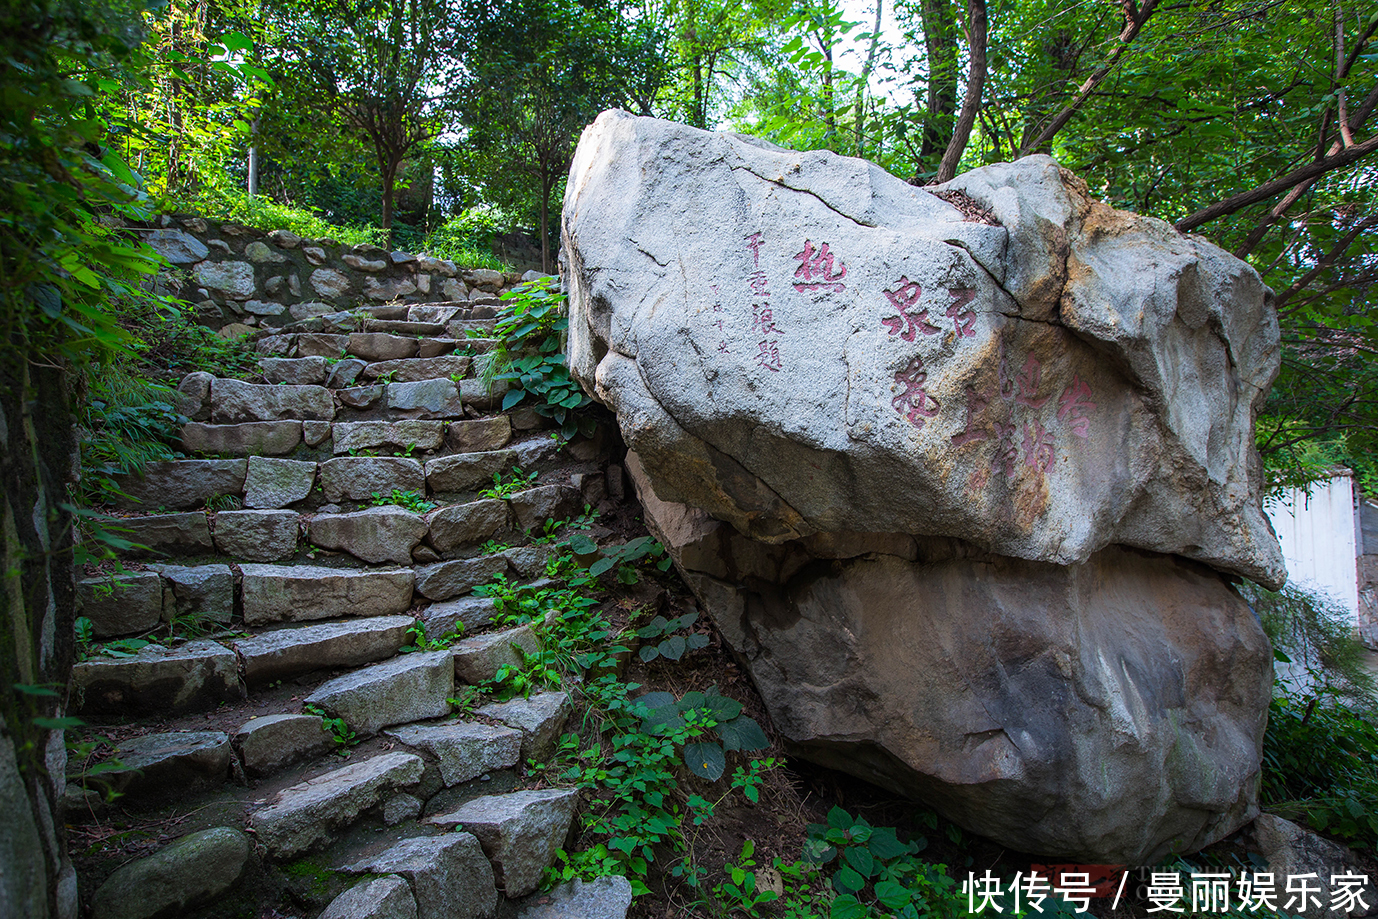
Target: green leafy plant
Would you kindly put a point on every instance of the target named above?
(340, 731)
(875, 870)
(711, 711)
(531, 330)
(123, 647)
(623, 557)
(506, 488)
(410, 500)
(494, 546)
(417, 640)
(738, 893)
(660, 642)
(85, 630)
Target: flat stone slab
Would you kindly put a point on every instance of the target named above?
(460, 526)
(320, 344)
(477, 659)
(540, 718)
(170, 764)
(234, 401)
(426, 399)
(398, 435)
(183, 875)
(468, 471)
(294, 593)
(307, 815)
(267, 744)
(479, 435)
(519, 832)
(373, 535)
(274, 483)
(380, 346)
(124, 604)
(601, 898)
(249, 438)
(412, 687)
(164, 534)
(534, 506)
(358, 478)
(464, 750)
(412, 370)
(257, 535)
(284, 653)
(449, 874)
(203, 593)
(387, 897)
(195, 676)
(462, 615)
(445, 580)
(181, 484)
(309, 371)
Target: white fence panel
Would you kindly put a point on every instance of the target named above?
(1318, 536)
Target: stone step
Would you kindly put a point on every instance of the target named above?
(449, 875)
(519, 831)
(305, 816)
(373, 535)
(267, 744)
(188, 873)
(463, 750)
(479, 658)
(294, 593)
(412, 687)
(405, 327)
(602, 898)
(163, 534)
(541, 719)
(181, 484)
(168, 765)
(470, 328)
(195, 676)
(234, 401)
(414, 369)
(283, 653)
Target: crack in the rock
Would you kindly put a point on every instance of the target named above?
(780, 182)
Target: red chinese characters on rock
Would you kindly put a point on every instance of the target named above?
(1027, 440)
(762, 316)
(903, 298)
(913, 402)
(961, 313)
(816, 270)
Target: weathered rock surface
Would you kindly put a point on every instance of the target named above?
(1071, 378)
(197, 675)
(463, 750)
(519, 832)
(200, 592)
(304, 816)
(449, 875)
(375, 534)
(460, 526)
(479, 435)
(271, 438)
(171, 764)
(387, 897)
(467, 471)
(444, 580)
(165, 534)
(123, 604)
(601, 898)
(258, 535)
(267, 744)
(180, 484)
(540, 718)
(412, 370)
(1292, 851)
(183, 875)
(365, 435)
(281, 653)
(274, 483)
(409, 688)
(234, 401)
(478, 658)
(380, 346)
(534, 506)
(426, 399)
(910, 462)
(462, 615)
(308, 371)
(292, 593)
(357, 478)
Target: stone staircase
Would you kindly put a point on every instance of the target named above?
(331, 506)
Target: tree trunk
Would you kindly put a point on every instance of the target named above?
(971, 103)
(253, 157)
(389, 193)
(547, 182)
(940, 43)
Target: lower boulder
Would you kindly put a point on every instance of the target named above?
(1111, 711)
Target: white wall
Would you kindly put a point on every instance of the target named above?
(1317, 532)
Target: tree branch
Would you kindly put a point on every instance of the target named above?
(971, 102)
(1135, 19)
(1326, 261)
(1307, 173)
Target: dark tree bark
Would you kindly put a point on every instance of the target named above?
(971, 102)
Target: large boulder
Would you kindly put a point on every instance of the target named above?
(962, 474)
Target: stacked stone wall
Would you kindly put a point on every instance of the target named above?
(237, 275)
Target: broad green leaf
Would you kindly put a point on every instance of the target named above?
(705, 760)
(742, 733)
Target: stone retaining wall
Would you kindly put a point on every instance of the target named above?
(237, 274)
